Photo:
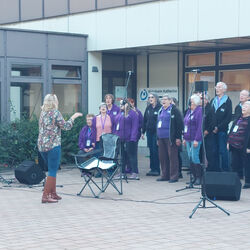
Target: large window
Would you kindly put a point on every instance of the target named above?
(235, 57)
(25, 100)
(69, 96)
(204, 59)
(236, 80)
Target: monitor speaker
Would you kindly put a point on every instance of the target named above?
(223, 186)
(28, 172)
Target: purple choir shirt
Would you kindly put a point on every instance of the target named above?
(127, 127)
(114, 111)
(163, 122)
(86, 138)
(193, 125)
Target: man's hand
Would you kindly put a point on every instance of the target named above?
(248, 150)
(206, 133)
(215, 130)
(142, 136)
(228, 146)
(184, 143)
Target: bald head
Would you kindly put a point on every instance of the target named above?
(244, 96)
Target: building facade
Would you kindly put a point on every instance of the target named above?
(160, 41)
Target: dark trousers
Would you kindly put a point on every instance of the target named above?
(168, 155)
(153, 151)
(180, 160)
(220, 152)
(238, 161)
(209, 148)
(131, 151)
(247, 168)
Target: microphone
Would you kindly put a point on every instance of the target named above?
(130, 72)
(198, 71)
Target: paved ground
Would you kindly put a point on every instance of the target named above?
(149, 215)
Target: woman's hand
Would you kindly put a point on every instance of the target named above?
(178, 142)
(142, 136)
(184, 143)
(248, 150)
(228, 146)
(195, 144)
(206, 132)
(76, 115)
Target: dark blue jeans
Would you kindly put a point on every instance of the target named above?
(220, 152)
(153, 151)
(209, 147)
(52, 159)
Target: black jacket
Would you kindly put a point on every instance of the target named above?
(150, 118)
(237, 111)
(223, 115)
(176, 124)
(247, 136)
(209, 121)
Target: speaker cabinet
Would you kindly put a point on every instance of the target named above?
(223, 186)
(29, 173)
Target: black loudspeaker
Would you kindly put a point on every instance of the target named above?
(223, 186)
(28, 172)
(201, 86)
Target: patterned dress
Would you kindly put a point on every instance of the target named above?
(50, 125)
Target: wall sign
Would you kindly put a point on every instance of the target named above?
(144, 93)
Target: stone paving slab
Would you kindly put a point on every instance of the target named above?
(149, 215)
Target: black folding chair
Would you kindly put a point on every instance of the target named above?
(108, 165)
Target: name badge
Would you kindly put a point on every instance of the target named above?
(222, 110)
(118, 127)
(235, 129)
(191, 117)
(114, 113)
(185, 129)
(155, 113)
(159, 124)
(88, 143)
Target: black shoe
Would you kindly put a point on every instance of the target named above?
(247, 185)
(173, 181)
(153, 173)
(197, 182)
(162, 179)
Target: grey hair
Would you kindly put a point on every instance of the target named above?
(102, 104)
(247, 102)
(224, 85)
(196, 99)
(167, 96)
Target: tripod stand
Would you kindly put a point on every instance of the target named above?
(4, 181)
(202, 86)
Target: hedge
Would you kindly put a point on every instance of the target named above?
(18, 141)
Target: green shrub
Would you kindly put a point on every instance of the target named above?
(18, 141)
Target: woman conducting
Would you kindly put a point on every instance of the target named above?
(193, 136)
(51, 123)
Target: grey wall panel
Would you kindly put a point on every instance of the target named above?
(102, 4)
(67, 48)
(24, 44)
(9, 11)
(81, 5)
(1, 43)
(139, 1)
(31, 9)
(55, 7)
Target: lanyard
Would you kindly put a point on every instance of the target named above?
(103, 122)
(89, 132)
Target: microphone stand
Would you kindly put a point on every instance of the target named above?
(191, 186)
(127, 83)
(204, 197)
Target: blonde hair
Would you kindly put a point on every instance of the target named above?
(50, 102)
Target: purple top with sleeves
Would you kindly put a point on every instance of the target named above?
(114, 111)
(163, 122)
(127, 127)
(193, 125)
(50, 125)
(86, 138)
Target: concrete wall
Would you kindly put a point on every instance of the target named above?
(161, 22)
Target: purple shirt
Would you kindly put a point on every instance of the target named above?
(127, 127)
(163, 122)
(86, 138)
(193, 125)
(114, 111)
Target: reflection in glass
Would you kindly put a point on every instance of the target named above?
(236, 81)
(25, 100)
(26, 70)
(69, 97)
(205, 59)
(235, 57)
(64, 71)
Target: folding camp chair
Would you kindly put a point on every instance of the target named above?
(108, 165)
